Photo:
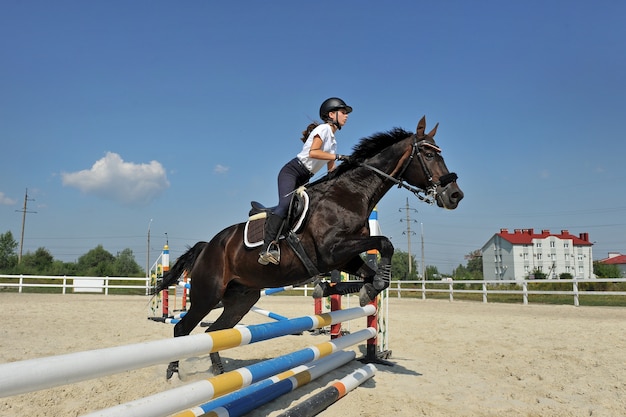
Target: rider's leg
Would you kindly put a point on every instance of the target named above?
(271, 252)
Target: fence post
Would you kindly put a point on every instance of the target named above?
(106, 285)
(575, 284)
(525, 290)
(64, 283)
(451, 287)
(21, 283)
(423, 289)
(399, 290)
(484, 292)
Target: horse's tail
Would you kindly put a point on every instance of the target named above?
(182, 264)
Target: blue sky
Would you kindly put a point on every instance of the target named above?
(115, 113)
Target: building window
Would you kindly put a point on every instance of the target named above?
(566, 245)
(525, 256)
(538, 245)
(567, 256)
(552, 244)
(538, 256)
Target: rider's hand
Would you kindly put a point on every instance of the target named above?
(344, 158)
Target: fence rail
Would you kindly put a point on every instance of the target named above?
(449, 287)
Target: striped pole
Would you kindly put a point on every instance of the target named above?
(186, 396)
(249, 398)
(165, 260)
(35, 374)
(270, 291)
(267, 313)
(322, 400)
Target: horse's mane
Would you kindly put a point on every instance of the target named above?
(367, 148)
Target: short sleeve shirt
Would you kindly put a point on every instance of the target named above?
(329, 144)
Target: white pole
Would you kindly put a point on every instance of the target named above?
(41, 373)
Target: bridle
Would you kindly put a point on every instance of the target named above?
(428, 195)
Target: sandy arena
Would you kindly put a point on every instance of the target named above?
(451, 358)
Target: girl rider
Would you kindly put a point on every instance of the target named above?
(320, 148)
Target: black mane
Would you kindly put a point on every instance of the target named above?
(374, 144)
(366, 148)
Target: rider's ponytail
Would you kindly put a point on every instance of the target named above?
(307, 132)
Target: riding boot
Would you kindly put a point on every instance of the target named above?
(271, 253)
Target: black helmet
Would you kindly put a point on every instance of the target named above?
(332, 104)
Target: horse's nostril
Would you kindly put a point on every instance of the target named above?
(457, 196)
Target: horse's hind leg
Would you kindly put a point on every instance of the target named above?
(199, 309)
(237, 301)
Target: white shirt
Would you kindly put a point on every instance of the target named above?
(329, 144)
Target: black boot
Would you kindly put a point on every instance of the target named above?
(271, 253)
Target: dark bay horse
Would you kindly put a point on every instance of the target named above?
(336, 231)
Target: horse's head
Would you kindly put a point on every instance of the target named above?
(424, 167)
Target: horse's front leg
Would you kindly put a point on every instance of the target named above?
(375, 281)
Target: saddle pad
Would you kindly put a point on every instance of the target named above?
(255, 226)
(253, 232)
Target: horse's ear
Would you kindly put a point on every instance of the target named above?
(421, 127)
(434, 131)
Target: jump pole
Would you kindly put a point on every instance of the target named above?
(189, 395)
(259, 393)
(185, 286)
(322, 400)
(41, 373)
(165, 260)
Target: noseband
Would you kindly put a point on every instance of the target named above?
(428, 195)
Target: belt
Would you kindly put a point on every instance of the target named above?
(303, 166)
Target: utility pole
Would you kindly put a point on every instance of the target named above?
(408, 232)
(24, 211)
(148, 252)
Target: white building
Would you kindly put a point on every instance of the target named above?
(514, 256)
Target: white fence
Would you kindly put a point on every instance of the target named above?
(72, 284)
(422, 289)
(523, 288)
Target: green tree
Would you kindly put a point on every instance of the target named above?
(97, 262)
(125, 264)
(606, 271)
(475, 262)
(538, 274)
(38, 263)
(474, 268)
(432, 273)
(400, 267)
(8, 258)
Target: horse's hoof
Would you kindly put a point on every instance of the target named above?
(367, 294)
(320, 290)
(171, 370)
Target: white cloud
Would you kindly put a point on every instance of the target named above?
(220, 169)
(126, 182)
(6, 201)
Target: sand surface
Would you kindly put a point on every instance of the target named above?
(451, 358)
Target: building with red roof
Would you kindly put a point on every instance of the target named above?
(516, 255)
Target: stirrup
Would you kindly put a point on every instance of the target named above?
(270, 254)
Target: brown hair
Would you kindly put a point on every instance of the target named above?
(308, 130)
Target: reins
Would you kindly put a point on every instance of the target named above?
(430, 194)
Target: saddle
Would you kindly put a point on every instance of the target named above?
(296, 216)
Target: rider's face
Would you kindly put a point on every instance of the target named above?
(340, 115)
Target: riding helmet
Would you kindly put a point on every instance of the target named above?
(332, 104)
